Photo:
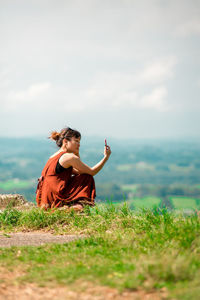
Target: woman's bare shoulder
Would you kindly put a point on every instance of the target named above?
(67, 156)
(66, 160)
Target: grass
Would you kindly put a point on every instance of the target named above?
(148, 249)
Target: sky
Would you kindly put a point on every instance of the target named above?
(122, 69)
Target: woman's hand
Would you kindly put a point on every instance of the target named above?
(107, 151)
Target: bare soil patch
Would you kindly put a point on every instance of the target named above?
(11, 289)
(33, 292)
(84, 291)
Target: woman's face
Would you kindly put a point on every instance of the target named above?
(73, 145)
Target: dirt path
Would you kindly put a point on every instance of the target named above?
(34, 239)
(89, 292)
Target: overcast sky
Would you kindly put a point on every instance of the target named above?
(111, 68)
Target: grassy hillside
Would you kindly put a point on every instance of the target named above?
(148, 250)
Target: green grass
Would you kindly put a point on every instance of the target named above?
(185, 203)
(15, 184)
(148, 249)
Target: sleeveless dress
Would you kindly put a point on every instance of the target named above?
(56, 190)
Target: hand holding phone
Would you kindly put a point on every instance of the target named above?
(107, 150)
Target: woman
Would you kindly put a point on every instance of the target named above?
(65, 179)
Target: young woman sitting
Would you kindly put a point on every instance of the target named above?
(65, 179)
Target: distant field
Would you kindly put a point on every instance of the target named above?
(145, 202)
(141, 166)
(125, 167)
(185, 202)
(176, 168)
(149, 202)
(129, 187)
(15, 184)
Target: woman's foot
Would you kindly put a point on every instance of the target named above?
(45, 206)
(77, 207)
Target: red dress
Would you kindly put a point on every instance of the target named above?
(56, 190)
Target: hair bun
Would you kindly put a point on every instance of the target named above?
(54, 135)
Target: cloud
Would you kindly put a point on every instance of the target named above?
(15, 100)
(117, 92)
(158, 71)
(33, 91)
(5, 80)
(155, 100)
(128, 89)
(114, 90)
(145, 88)
(189, 28)
(44, 97)
(198, 82)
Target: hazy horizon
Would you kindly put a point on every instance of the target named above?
(110, 138)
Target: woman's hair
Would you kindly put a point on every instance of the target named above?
(66, 133)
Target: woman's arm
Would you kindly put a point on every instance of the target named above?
(70, 159)
(76, 172)
(83, 168)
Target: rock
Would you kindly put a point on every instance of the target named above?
(14, 200)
